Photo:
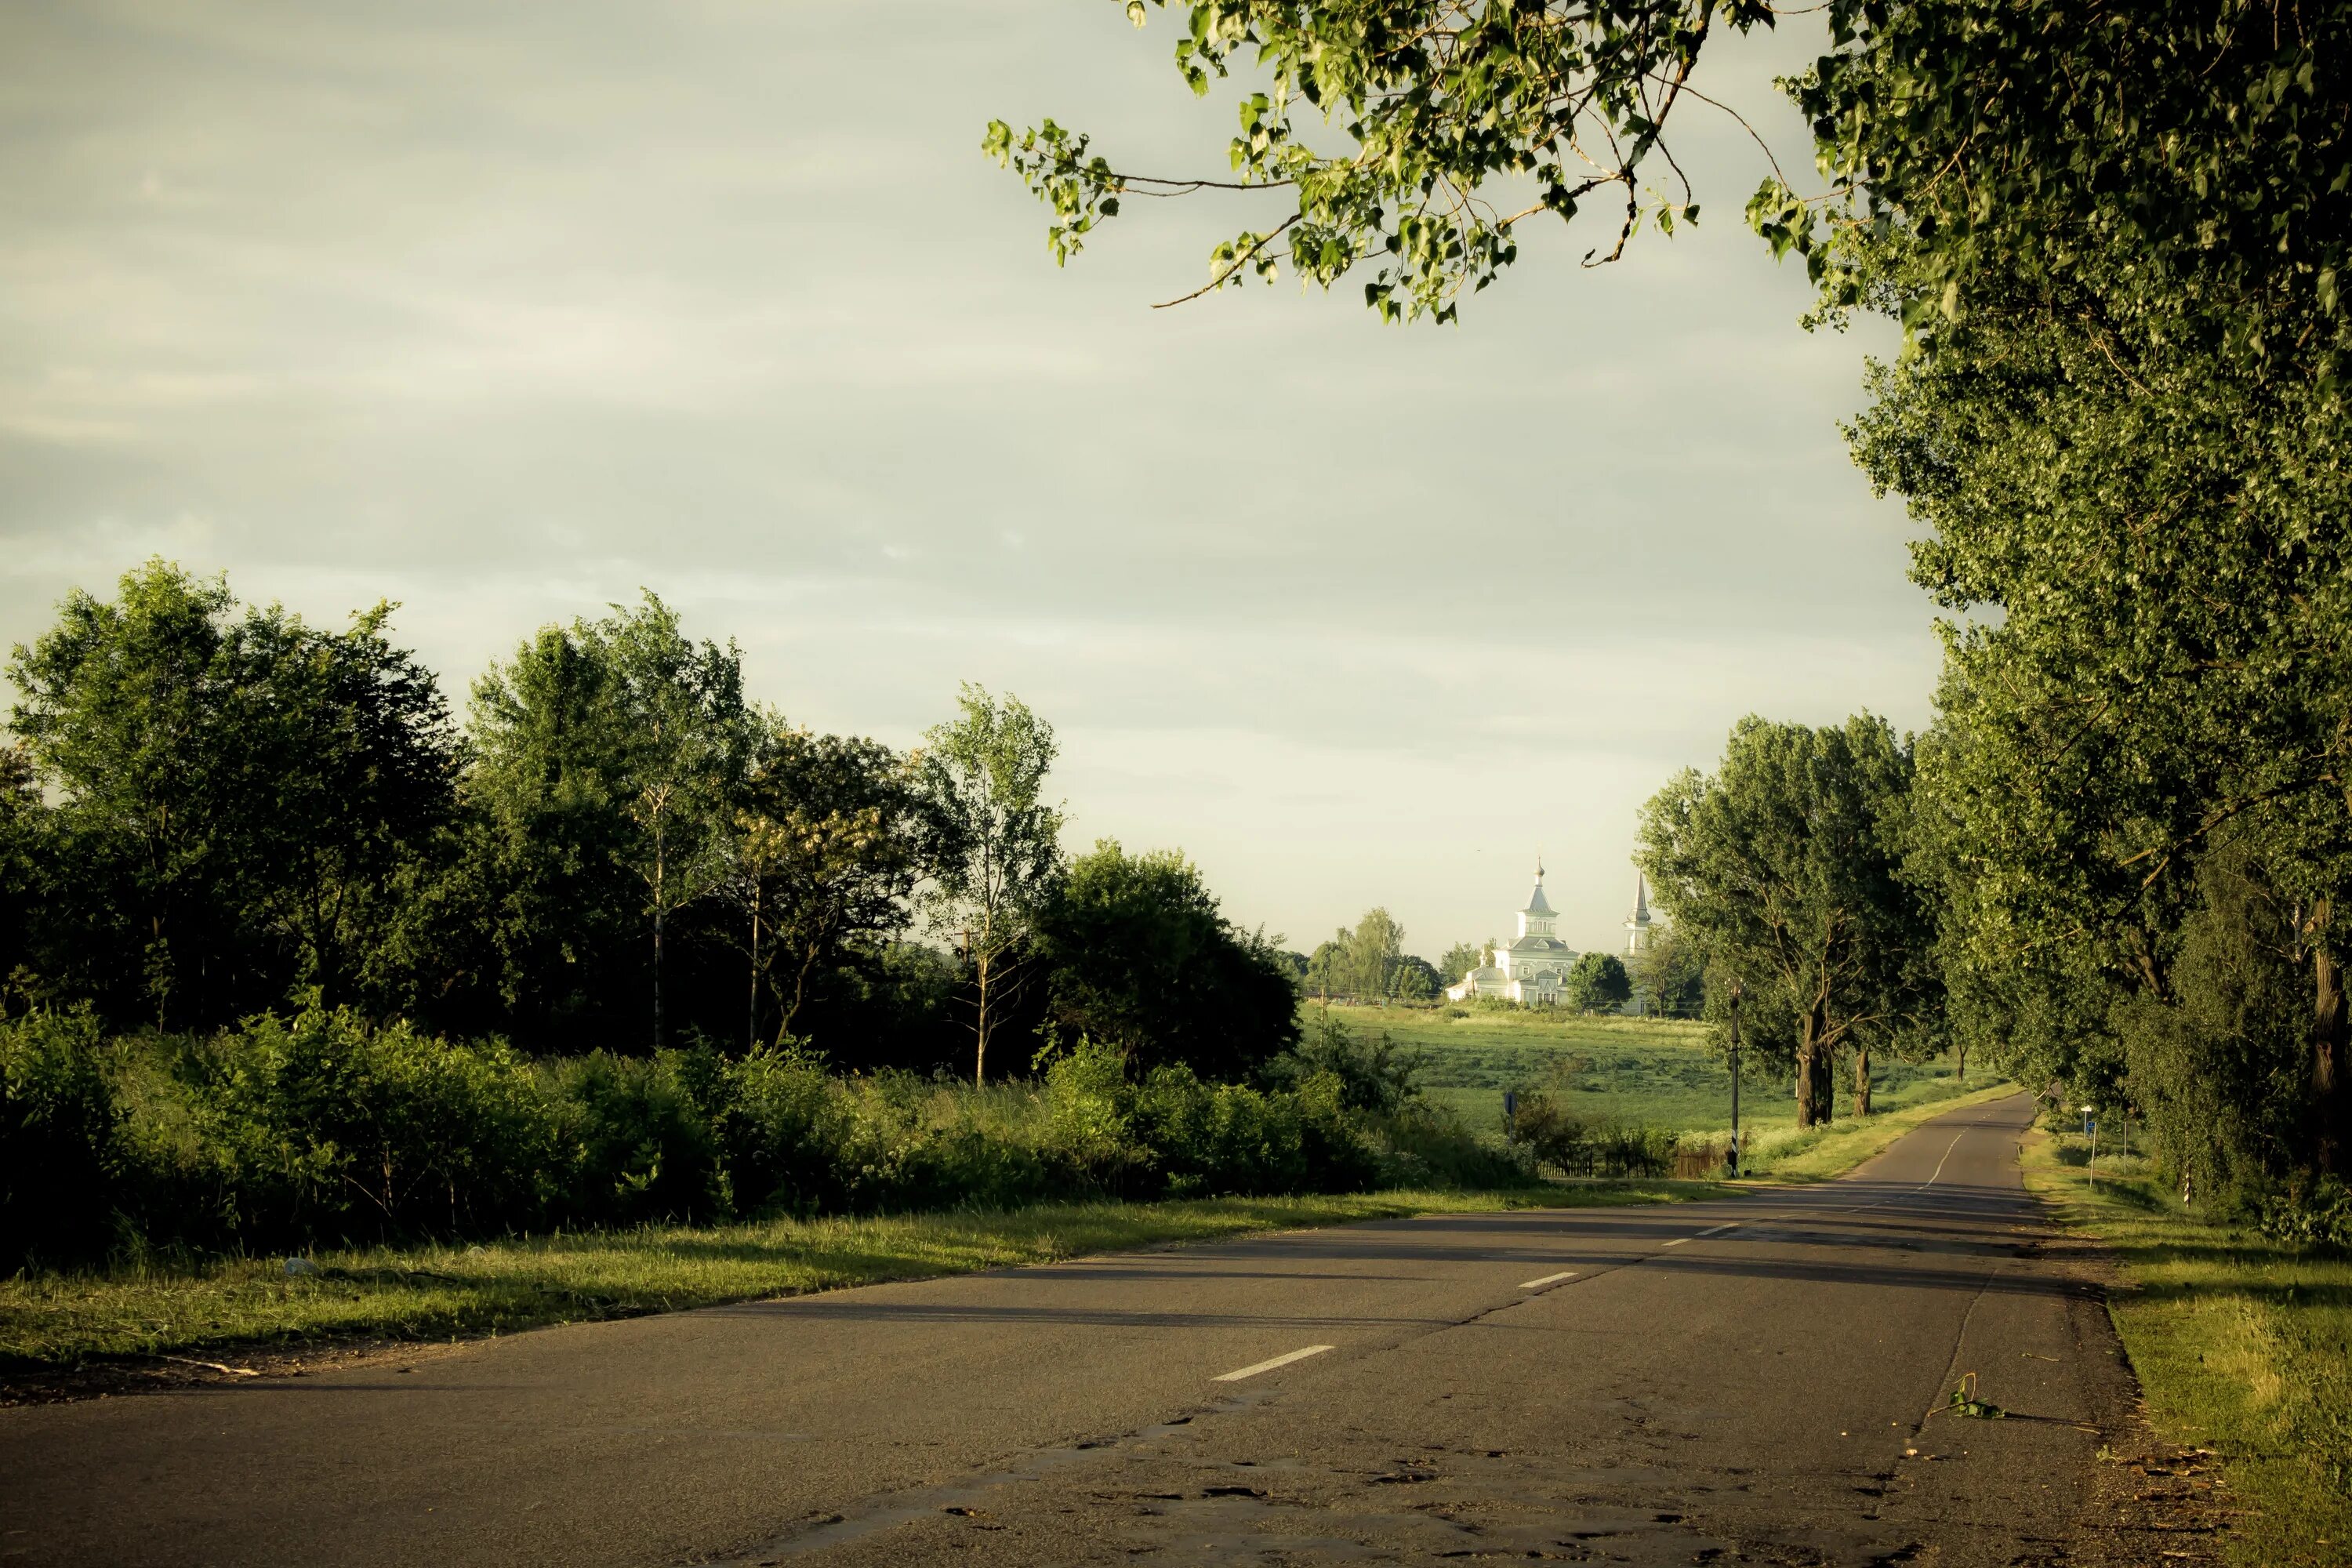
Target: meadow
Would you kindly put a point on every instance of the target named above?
(1654, 1072)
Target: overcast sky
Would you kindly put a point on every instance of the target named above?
(505, 312)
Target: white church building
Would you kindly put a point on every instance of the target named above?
(1533, 970)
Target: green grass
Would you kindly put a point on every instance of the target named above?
(1650, 1071)
(441, 1293)
(2242, 1346)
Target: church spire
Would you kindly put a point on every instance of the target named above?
(1637, 924)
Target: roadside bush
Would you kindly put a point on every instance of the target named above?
(636, 1141)
(1372, 1076)
(784, 1128)
(1581, 1146)
(60, 1157)
(335, 1130)
(324, 1129)
(2317, 1212)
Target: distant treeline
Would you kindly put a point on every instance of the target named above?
(1368, 963)
(210, 811)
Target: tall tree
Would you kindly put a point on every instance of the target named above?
(1785, 866)
(2091, 458)
(683, 714)
(1669, 974)
(236, 793)
(994, 851)
(1137, 953)
(1459, 959)
(1374, 949)
(1329, 968)
(826, 849)
(1598, 983)
(607, 750)
(119, 706)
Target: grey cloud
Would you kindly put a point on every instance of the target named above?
(505, 312)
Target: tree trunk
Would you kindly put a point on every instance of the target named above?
(658, 869)
(2331, 1102)
(1862, 1082)
(751, 1005)
(1960, 1057)
(1814, 1102)
(979, 1028)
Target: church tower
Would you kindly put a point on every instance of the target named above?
(1637, 924)
(1537, 919)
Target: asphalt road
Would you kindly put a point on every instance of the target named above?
(1745, 1381)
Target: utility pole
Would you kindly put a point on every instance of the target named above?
(1735, 1077)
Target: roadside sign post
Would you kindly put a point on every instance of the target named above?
(1734, 1160)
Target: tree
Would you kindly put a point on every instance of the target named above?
(825, 850)
(1415, 979)
(1137, 954)
(1786, 868)
(1459, 959)
(1598, 983)
(994, 851)
(2091, 458)
(2209, 141)
(1374, 949)
(357, 768)
(1669, 974)
(21, 860)
(121, 707)
(1329, 968)
(608, 751)
(235, 793)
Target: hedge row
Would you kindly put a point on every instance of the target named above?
(323, 1129)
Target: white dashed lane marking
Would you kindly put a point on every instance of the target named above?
(1548, 1279)
(1270, 1365)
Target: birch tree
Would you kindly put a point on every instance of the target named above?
(994, 851)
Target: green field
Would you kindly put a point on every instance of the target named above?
(1647, 1070)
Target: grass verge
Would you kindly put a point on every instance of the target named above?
(1819, 1154)
(2242, 1345)
(59, 1321)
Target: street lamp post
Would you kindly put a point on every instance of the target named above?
(1735, 1077)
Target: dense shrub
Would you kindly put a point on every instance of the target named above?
(336, 1130)
(323, 1129)
(2315, 1213)
(635, 1141)
(1579, 1145)
(1373, 1075)
(60, 1157)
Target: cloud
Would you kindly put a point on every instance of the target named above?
(504, 313)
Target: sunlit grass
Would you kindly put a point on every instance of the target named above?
(1657, 1072)
(2242, 1345)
